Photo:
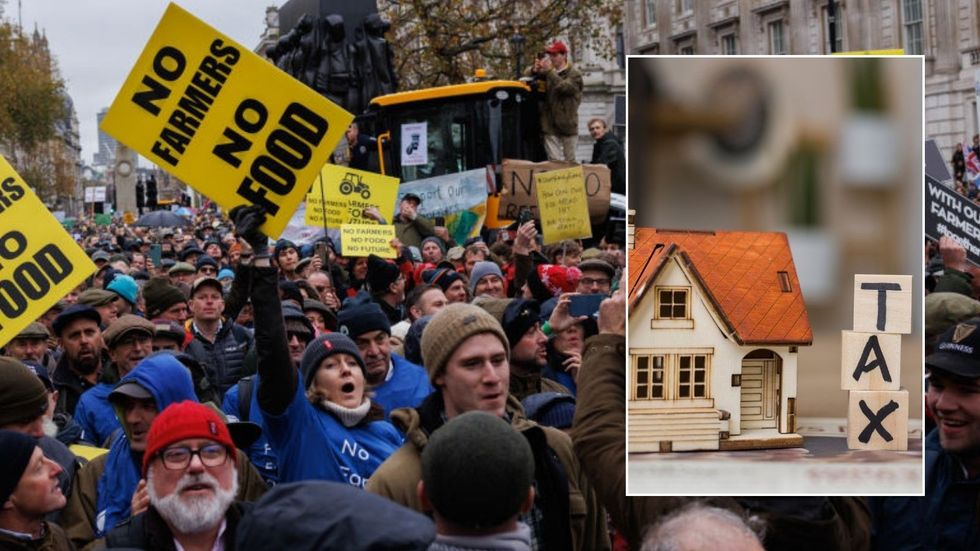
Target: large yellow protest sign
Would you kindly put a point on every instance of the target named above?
(39, 262)
(563, 205)
(365, 239)
(224, 120)
(347, 193)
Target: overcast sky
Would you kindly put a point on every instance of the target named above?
(96, 42)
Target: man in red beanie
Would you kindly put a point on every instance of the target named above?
(189, 465)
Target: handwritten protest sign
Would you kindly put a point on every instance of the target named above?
(39, 261)
(348, 192)
(458, 198)
(365, 239)
(518, 188)
(224, 120)
(562, 204)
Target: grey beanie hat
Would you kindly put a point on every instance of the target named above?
(477, 470)
(482, 269)
(323, 347)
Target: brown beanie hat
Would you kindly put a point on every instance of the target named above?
(22, 394)
(160, 295)
(449, 328)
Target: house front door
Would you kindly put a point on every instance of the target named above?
(760, 393)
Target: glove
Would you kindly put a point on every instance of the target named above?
(247, 220)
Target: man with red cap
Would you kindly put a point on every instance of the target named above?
(562, 96)
(189, 465)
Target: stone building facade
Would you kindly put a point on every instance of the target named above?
(946, 33)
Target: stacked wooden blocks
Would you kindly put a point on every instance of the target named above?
(871, 366)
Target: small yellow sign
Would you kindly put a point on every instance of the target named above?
(224, 120)
(898, 51)
(348, 192)
(129, 218)
(563, 204)
(39, 261)
(365, 239)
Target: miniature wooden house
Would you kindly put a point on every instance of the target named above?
(715, 322)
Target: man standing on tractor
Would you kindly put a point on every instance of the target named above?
(563, 94)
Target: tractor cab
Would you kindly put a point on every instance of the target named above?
(451, 129)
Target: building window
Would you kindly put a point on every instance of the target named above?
(650, 11)
(838, 25)
(687, 49)
(671, 376)
(673, 303)
(685, 6)
(649, 378)
(777, 43)
(691, 371)
(728, 45)
(912, 11)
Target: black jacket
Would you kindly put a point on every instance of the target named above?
(608, 151)
(149, 531)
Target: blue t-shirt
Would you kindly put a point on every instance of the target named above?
(313, 444)
(260, 453)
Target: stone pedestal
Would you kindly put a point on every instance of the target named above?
(125, 179)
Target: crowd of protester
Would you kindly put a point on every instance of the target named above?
(244, 393)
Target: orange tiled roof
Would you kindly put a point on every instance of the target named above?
(738, 271)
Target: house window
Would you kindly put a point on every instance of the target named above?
(777, 43)
(838, 26)
(650, 10)
(728, 45)
(912, 12)
(649, 378)
(671, 376)
(672, 303)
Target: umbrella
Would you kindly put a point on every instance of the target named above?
(161, 219)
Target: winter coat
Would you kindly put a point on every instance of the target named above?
(412, 232)
(54, 539)
(946, 518)
(797, 523)
(148, 530)
(315, 515)
(224, 358)
(95, 415)
(407, 387)
(608, 151)
(57, 451)
(398, 477)
(562, 96)
(69, 385)
(300, 432)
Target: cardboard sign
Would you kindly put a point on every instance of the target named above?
(348, 192)
(224, 120)
(365, 239)
(415, 144)
(562, 205)
(949, 213)
(39, 261)
(518, 188)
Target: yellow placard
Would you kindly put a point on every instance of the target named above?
(898, 51)
(224, 120)
(563, 205)
(39, 261)
(365, 239)
(348, 192)
(129, 218)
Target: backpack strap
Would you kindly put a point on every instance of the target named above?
(245, 385)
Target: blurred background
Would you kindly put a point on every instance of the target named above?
(828, 150)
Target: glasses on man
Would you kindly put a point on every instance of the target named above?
(208, 270)
(137, 339)
(600, 282)
(179, 457)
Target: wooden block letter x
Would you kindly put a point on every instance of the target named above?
(878, 420)
(870, 361)
(883, 303)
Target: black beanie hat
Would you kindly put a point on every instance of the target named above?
(22, 394)
(160, 295)
(381, 274)
(17, 451)
(519, 316)
(477, 470)
(361, 315)
(443, 277)
(323, 347)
